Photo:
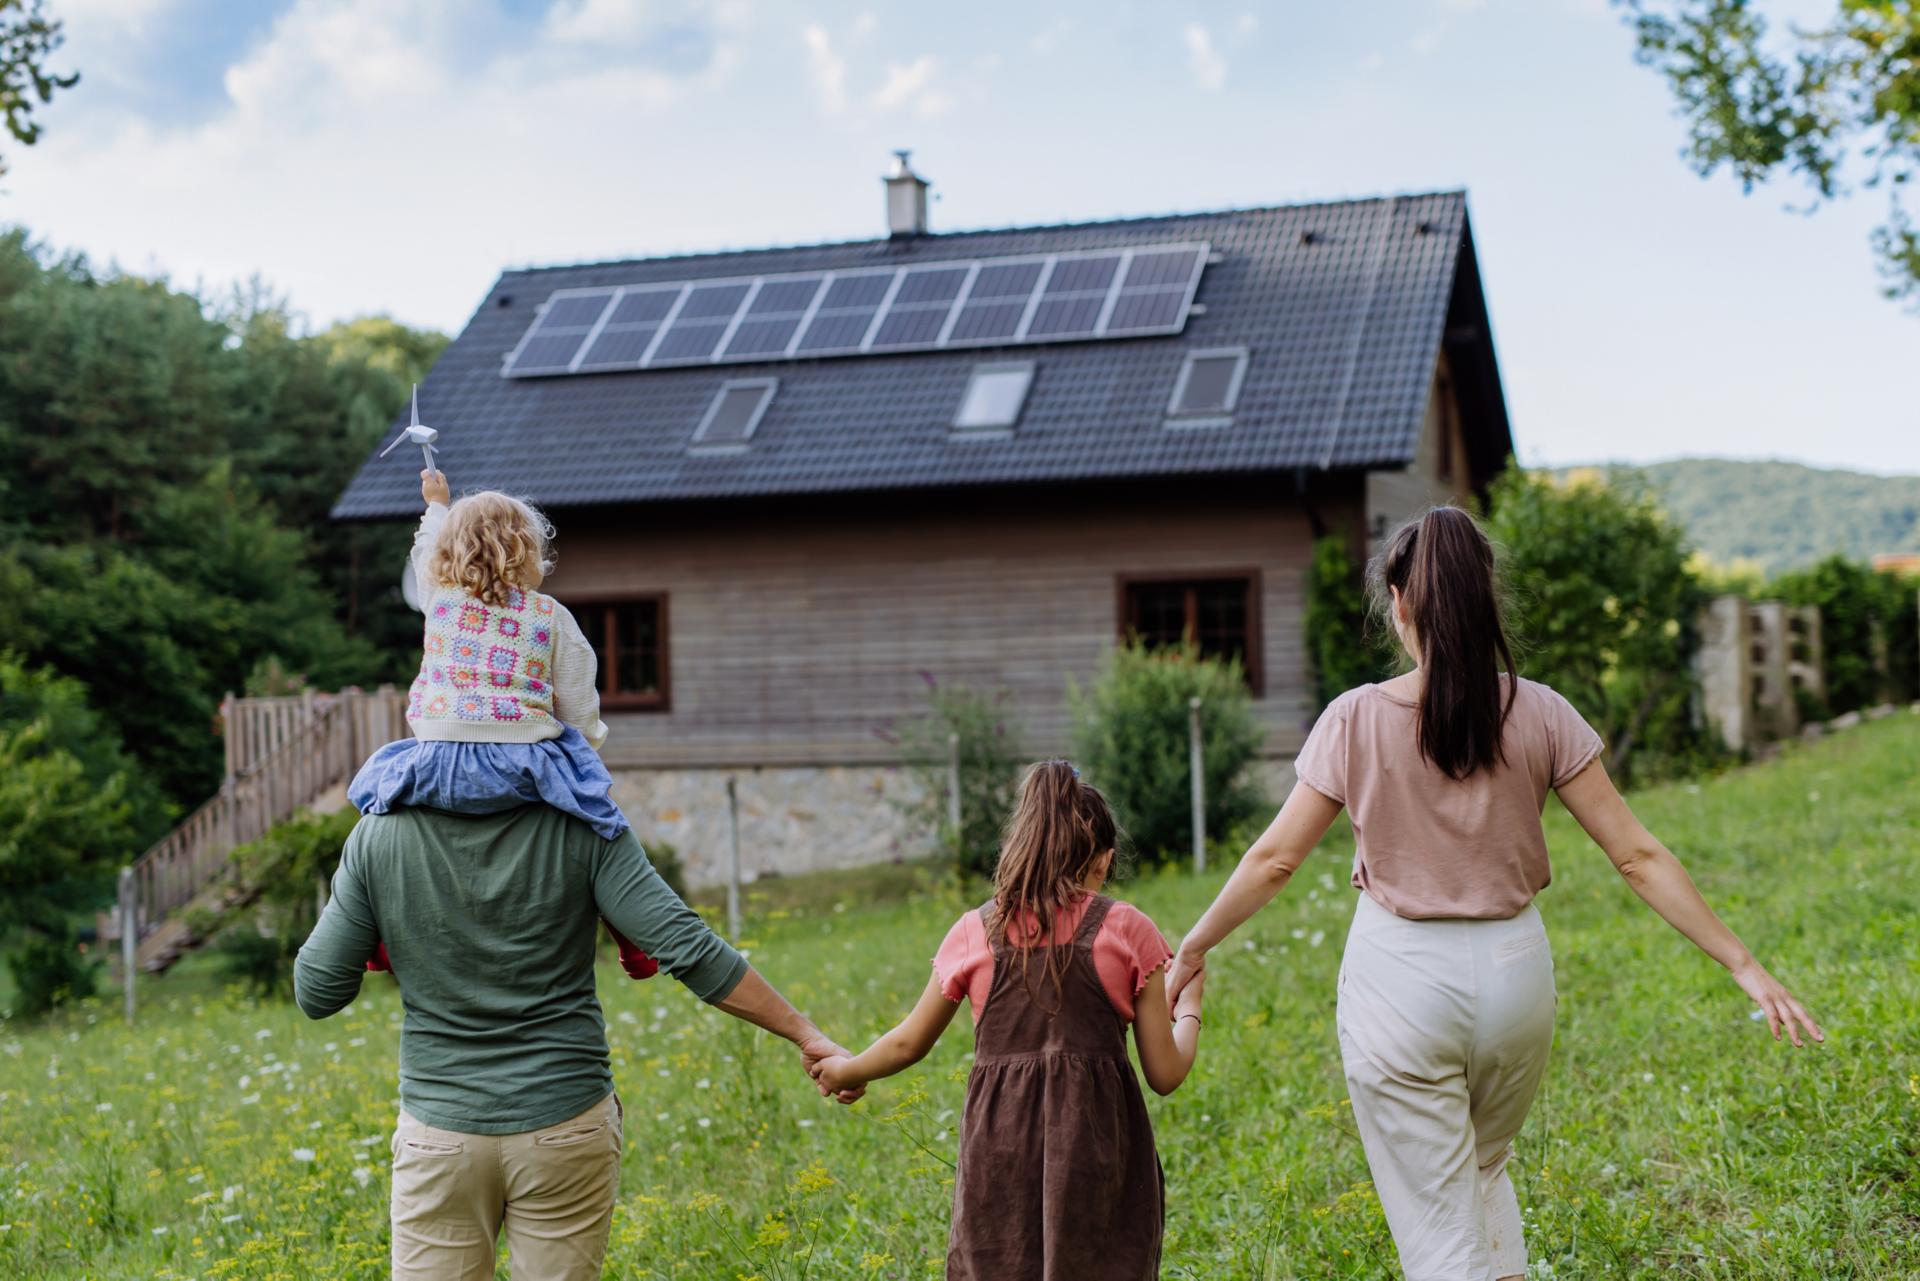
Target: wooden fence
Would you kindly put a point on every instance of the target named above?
(282, 754)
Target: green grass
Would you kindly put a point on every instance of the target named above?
(1673, 1138)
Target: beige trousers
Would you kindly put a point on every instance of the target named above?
(553, 1190)
(1444, 1032)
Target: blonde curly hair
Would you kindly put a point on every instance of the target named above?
(492, 543)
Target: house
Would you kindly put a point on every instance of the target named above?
(792, 485)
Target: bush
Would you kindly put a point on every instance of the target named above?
(1900, 615)
(989, 771)
(283, 870)
(1605, 610)
(1343, 649)
(49, 971)
(1864, 618)
(1130, 739)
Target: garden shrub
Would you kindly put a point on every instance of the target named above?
(49, 970)
(1130, 740)
(990, 764)
(1605, 610)
(1344, 649)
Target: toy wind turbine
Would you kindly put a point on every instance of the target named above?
(420, 435)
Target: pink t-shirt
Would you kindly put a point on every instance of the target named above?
(1126, 952)
(1425, 845)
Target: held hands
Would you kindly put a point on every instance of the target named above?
(832, 1076)
(1188, 1002)
(433, 487)
(1186, 968)
(1775, 1002)
(816, 1051)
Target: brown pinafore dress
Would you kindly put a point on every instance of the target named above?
(1058, 1178)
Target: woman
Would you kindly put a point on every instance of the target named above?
(1446, 991)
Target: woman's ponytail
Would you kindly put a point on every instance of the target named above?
(1442, 566)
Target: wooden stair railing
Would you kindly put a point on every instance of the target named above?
(282, 755)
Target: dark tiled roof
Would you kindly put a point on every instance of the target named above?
(1342, 306)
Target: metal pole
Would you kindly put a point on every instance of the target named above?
(129, 937)
(1195, 763)
(733, 861)
(953, 790)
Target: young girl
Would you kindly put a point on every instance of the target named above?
(506, 710)
(1058, 1177)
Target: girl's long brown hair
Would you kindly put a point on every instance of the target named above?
(1059, 829)
(1442, 565)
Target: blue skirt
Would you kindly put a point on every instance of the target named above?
(485, 778)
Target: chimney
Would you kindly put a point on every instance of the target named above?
(906, 199)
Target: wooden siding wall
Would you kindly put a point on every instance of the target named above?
(798, 640)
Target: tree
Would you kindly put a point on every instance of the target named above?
(1604, 608)
(27, 39)
(1799, 104)
(70, 805)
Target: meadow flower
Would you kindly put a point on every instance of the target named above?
(303, 1154)
(362, 1175)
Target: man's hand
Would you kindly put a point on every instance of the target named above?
(433, 487)
(817, 1048)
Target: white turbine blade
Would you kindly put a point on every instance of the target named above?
(396, 440)
(416, 404)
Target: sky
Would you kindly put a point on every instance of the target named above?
(392, 156)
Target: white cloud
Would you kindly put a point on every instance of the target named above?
(1208, 64)
(1045, 41)
(373, 151)
(1246, 24)
(1373, 61)
(912, 87)
(827, 69)
(865, 24)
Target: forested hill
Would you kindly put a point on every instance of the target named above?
(1784, 515)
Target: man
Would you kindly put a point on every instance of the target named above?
(508, 1117)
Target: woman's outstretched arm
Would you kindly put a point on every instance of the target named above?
(1659, 879)
(1265, 868)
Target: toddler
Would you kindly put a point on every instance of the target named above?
(506, 708)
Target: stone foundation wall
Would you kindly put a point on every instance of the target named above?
(797, 820)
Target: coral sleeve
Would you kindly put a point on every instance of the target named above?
(962, 956)
(1126, 954)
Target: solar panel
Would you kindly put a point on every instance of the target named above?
(1063, 297)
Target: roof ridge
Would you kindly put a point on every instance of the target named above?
(1005, 229)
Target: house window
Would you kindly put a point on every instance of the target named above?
(995, 395)
(1219, 614)
(735, 412)
(629, 639)
(1209, 383)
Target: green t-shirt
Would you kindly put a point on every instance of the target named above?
(490, 922)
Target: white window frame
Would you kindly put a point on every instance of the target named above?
(986, 370)
(1213, 415)
(769, 387)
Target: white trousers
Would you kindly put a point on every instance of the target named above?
(1444, 1032)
